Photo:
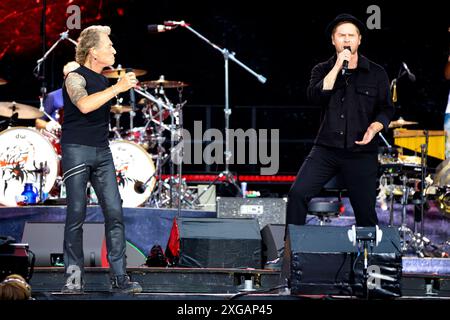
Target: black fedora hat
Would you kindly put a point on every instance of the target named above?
(345, 17)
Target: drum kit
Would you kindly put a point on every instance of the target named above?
(403, 179)
(28, 155)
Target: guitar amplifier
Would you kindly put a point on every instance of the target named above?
(265, 210)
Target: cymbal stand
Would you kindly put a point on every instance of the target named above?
(423, 164)
(160, 93)
(417, 241)
(180, 148)
(227, 55)
(160, 139)
(116, 129)
(387, 184)
(403, 227)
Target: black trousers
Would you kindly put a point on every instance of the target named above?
(82, 164)
(359, 171)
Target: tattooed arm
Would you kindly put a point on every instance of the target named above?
(76, 88)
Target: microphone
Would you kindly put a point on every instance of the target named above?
(345, 63)
(139, 187)
(132, 95)
(174, 23)
(411, 75)
(156, 28)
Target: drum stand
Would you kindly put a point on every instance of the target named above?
(417, 241)
(160, 139)
(116, 129)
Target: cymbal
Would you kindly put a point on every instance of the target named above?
(400, 123)
(163, 83)
(118, 108)
(3, 81)
(120, 72)
(7, 109)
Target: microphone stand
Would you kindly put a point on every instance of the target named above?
(41, 61)
(64, 35)
(227, 55)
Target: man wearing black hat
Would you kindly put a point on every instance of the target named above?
(356, 104)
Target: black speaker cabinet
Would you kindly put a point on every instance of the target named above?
(322, 260)
(45, 240)
(14, 260)
(215, 243)
(273, 241)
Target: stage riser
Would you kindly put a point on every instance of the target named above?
(164, 280)
(425, 286)
(214, 282)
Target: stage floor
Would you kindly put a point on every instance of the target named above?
(423, 278)
(223, 283)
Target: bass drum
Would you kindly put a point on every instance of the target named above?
(22, 150)
(134, 166)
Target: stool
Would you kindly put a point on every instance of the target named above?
(325, 210)
(331, 207)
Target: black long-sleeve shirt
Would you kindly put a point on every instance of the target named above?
(355, 101)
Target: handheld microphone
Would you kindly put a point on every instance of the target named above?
(345, 63)
(132, 95)
(156, 28)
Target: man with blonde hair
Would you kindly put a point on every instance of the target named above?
(86, 156)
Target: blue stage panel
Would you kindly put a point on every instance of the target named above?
(144, 227)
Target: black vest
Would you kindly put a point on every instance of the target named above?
(91, 129)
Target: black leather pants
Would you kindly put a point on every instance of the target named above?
(82, 164)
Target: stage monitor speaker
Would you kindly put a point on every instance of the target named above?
(273, 241)
(322, 260)
(14, 259)
(215, 243)
(46, 239)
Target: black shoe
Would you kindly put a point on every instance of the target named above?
(73, 288)
(123, 284)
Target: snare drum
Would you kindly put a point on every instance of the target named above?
(133, 166)
(22, 150)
